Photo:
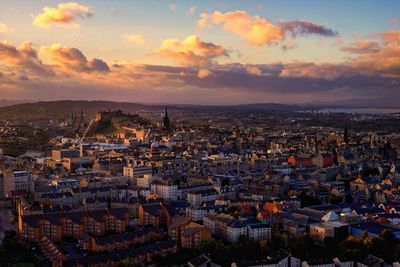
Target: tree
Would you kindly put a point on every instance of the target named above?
(348, 199)
(333, 199)
(215, 248)
(308, 200)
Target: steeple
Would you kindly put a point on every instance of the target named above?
(166, 120)
(346, 134)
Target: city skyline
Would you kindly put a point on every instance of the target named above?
(196, 52)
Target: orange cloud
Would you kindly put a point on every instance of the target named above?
(67, 73)
(64, 15)
(72, 59)
(311, 70)
(253, 70)
(24, 59)
(391, 37)
(259, 31)
(362, 47)
(133, 38)
(384, 60)
(191, 51)
(255, 30)
(203, 73)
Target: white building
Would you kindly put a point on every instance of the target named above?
(197, 213)
(230, 229)
(235, 230)
(260, 231)
(198, 198)
(166, 191)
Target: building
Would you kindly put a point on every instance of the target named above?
(152, 214)
(197, 213)
(119, 241)
(166, 122)
(60, 154)
(202, 261)
(335, 230)
(230, 229)
(71, 164)
(14, 181)
(145, 181)
(188, 233)
(51, 252)
(137, 171)
(165, 190)
(56, 225)
(198, 198)
(143, 254)
(373, 229)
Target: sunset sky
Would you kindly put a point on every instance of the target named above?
(200, 52)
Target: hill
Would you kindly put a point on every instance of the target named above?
(45, 110)
(268, 106)
(63, 109)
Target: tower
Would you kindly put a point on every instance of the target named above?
(346, 134)
(166, 120)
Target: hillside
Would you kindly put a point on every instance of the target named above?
(45, 110)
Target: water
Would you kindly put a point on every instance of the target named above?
(362, 110)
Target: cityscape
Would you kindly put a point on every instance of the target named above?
(200, 133)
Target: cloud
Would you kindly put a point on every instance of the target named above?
(362, 47)
(255, 30)
(259, 31)
(192, 11)
(72, 59)
(65, 14)
(133, 38)
(4, 28)
(203, 73)
(59, 72)
(253, 70)
(191, 51)
(383, 59)
(303, 27)
(23, 59)
(393, 20)
(172, 7)
(315, 71)
(391, 37)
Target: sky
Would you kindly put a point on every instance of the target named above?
(200, 52)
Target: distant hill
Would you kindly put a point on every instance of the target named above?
(268, 106)
(7, 102)
(63, 109)
(360, 103)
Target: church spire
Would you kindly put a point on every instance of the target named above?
(166, 120)
(346, 134)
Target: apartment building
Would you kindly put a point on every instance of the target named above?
(56, 225)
